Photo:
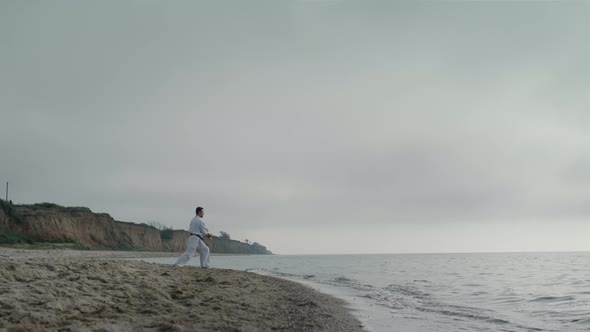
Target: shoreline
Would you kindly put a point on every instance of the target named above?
(88, 290)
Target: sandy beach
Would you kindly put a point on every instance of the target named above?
(66, 290)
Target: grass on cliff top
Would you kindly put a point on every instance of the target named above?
(48, 205)
(17, 240)
(9, 209)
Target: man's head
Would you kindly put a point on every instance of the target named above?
(200, 212)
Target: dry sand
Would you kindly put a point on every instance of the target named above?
(65, 290)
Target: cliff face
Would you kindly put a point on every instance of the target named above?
(174, 240)
(6, 224)
(91, 230)
(96, 231)
(139, 235)
(99, 231)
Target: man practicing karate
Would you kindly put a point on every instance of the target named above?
(195, 241)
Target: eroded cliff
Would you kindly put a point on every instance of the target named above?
(99, 231)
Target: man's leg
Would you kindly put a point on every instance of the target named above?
(204, 254)
(191, 247)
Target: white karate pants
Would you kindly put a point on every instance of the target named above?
(194, 244)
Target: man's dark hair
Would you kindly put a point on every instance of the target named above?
(199, 209)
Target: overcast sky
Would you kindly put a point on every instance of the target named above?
(308, 126)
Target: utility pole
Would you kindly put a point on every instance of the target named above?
(7, 191)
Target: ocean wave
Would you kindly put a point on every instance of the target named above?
(552, 298)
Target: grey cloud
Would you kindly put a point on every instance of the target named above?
(350, 112)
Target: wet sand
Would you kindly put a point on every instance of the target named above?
(66, 290)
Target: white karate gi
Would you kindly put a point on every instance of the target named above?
(194, 243)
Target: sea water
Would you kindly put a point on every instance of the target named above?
(442, 292)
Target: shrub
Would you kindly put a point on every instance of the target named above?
(62, 240)
(48, 205)
(9, 210)
(157, 225)
(14, 238)
(78, 209)
(79, 246)
(149, 226)
(166, 234)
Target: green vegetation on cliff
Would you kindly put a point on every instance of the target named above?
(225, 245)
(47, 205)
(9, 210)
(13, 239)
